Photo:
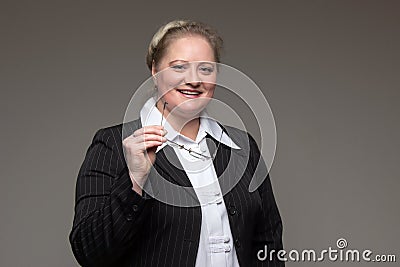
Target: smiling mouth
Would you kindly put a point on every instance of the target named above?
(189, 92)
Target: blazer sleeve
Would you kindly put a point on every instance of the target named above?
(268, 231)
(108, 212)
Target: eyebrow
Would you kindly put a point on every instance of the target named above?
(185, 61)
(177, 60)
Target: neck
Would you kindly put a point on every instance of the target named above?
(185, 126)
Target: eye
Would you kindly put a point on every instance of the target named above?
(179, 67)
(206, 69)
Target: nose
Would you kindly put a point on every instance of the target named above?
(192, 78)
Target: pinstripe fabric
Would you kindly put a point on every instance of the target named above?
(114, 226)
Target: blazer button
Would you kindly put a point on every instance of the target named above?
(135, 208)
(237, 243)
(232, 210)
(129, 217)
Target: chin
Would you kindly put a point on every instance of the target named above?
(192, 106)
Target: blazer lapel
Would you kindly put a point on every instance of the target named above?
(168, 163)
(229, 166)
(168, 182)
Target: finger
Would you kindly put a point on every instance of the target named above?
(149, 137)
(153, 129)
(149, 144)
(143, 138)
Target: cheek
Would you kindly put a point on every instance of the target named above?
(210, 88)
(169, 82)
(167, 92)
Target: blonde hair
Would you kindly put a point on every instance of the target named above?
(177, 29)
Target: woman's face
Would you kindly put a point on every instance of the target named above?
(186, 76)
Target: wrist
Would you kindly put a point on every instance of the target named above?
(137, 188)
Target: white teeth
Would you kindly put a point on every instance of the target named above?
(189, 92)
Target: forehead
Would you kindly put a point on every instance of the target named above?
(189, 48)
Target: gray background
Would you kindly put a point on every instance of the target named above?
(330, 71)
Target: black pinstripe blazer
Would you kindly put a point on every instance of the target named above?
(115, 226)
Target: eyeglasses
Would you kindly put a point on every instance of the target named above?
(191, 152)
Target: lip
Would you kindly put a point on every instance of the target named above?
(189, 90)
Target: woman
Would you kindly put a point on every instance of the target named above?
(118, 222)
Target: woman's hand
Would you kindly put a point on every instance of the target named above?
(140, 152)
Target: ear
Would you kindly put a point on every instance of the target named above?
(153, 74)
(153, 68)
